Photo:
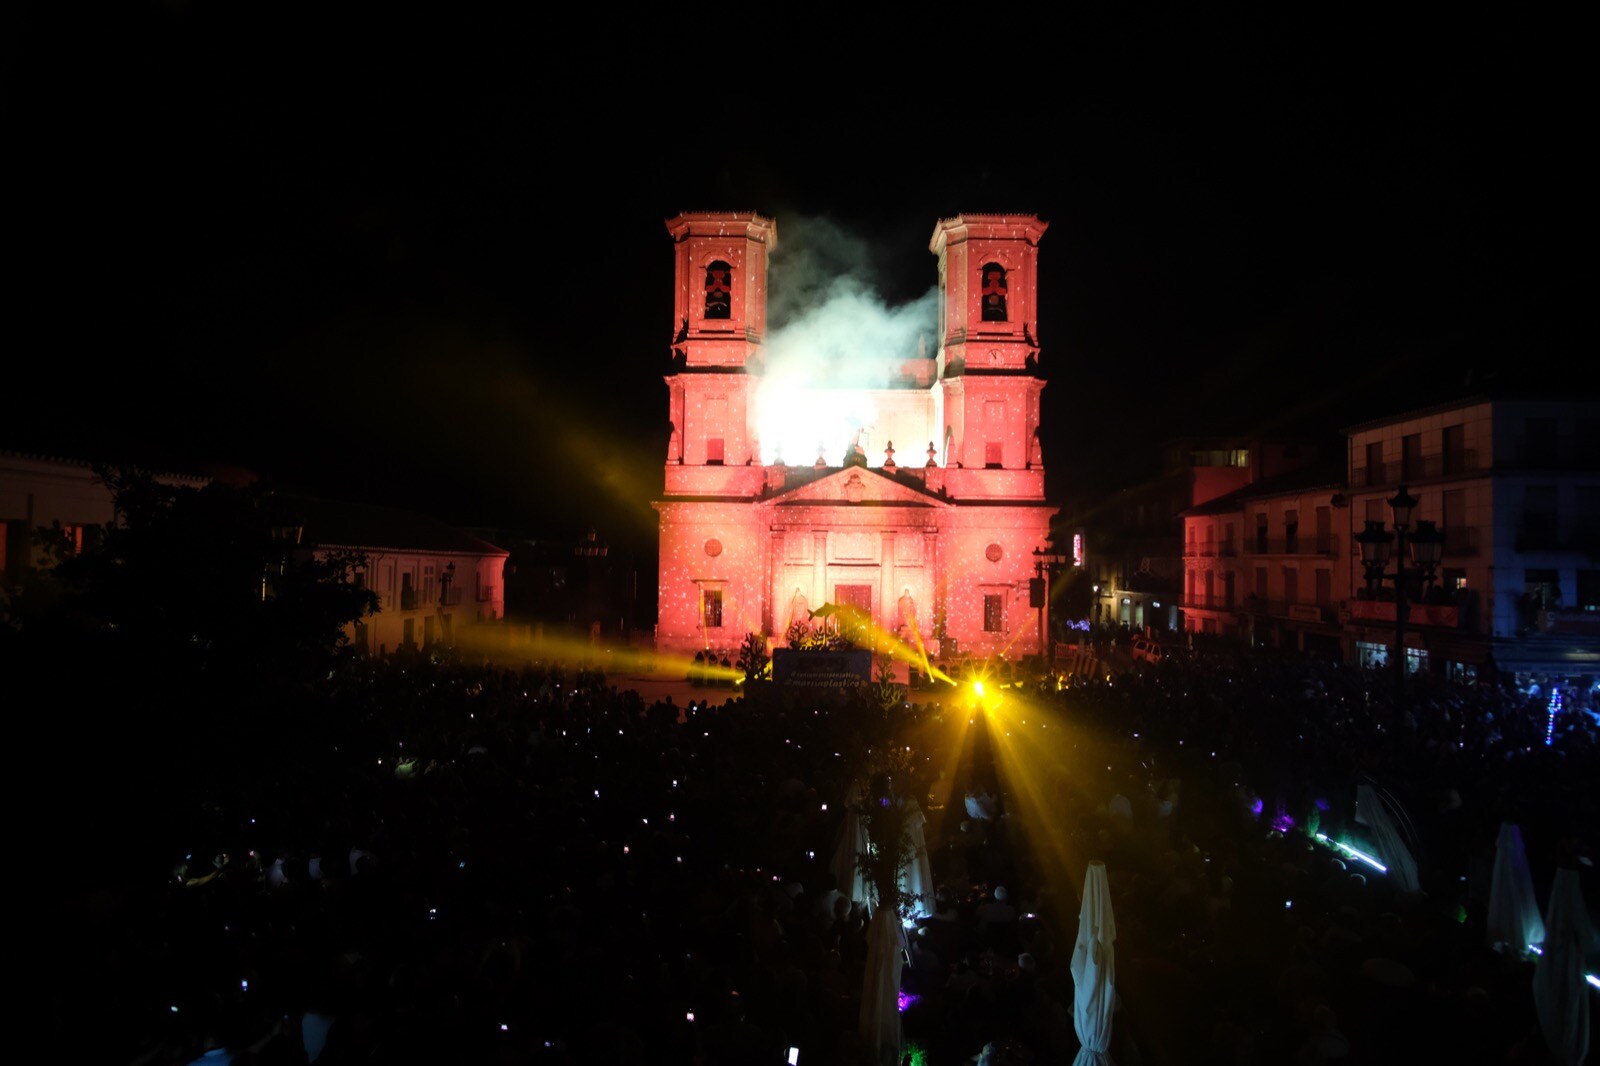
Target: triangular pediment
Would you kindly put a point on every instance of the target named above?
(857, 485)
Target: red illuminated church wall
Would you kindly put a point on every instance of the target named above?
(710, 547)
(946, 549)
(968, 550)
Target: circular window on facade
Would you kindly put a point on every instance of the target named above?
(713, 547)
(993, 552)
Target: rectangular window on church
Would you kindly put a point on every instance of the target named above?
(994, 613)
(711, 607)
(993, 455)
(714, 451)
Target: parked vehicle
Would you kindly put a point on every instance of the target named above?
(1147, 650)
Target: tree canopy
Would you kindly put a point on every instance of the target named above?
(202, 576)
(183, 640)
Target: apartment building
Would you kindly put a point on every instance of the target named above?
(1513, 485)
(1270, 563)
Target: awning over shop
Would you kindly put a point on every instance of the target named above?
(1561, 658)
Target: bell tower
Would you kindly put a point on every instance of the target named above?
(989, 353)
(719, 326)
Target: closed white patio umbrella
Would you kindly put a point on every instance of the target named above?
(1386, 839)
(880, 989)
(1094, 970)
(916, 876)
(1513, 908)
(1560, 994)
(845, 862)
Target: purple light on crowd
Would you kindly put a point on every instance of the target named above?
(1322, 804)
(907, 1000)
(1256, 807)
(1282, 822)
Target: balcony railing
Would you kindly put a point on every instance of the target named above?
(1422, 468)
(1547, 536)
(1565, 452)
(1313, 545)
(1460, 541)
(485, 593)
(1538, 535)
(1206, 603)
(1301, 612)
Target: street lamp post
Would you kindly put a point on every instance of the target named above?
(447, 578)
(1045, 564)
(1378, 547)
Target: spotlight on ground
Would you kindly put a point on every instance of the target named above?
(986, 696)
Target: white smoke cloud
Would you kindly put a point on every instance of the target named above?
(833, 340)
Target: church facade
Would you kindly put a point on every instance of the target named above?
(930, 522)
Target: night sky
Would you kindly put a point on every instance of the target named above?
(435, 274)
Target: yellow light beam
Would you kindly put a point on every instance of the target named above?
(883, 640)
(508, 646)
(1044, 762)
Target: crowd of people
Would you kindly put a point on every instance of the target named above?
(1249, 940)
(463, 862)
